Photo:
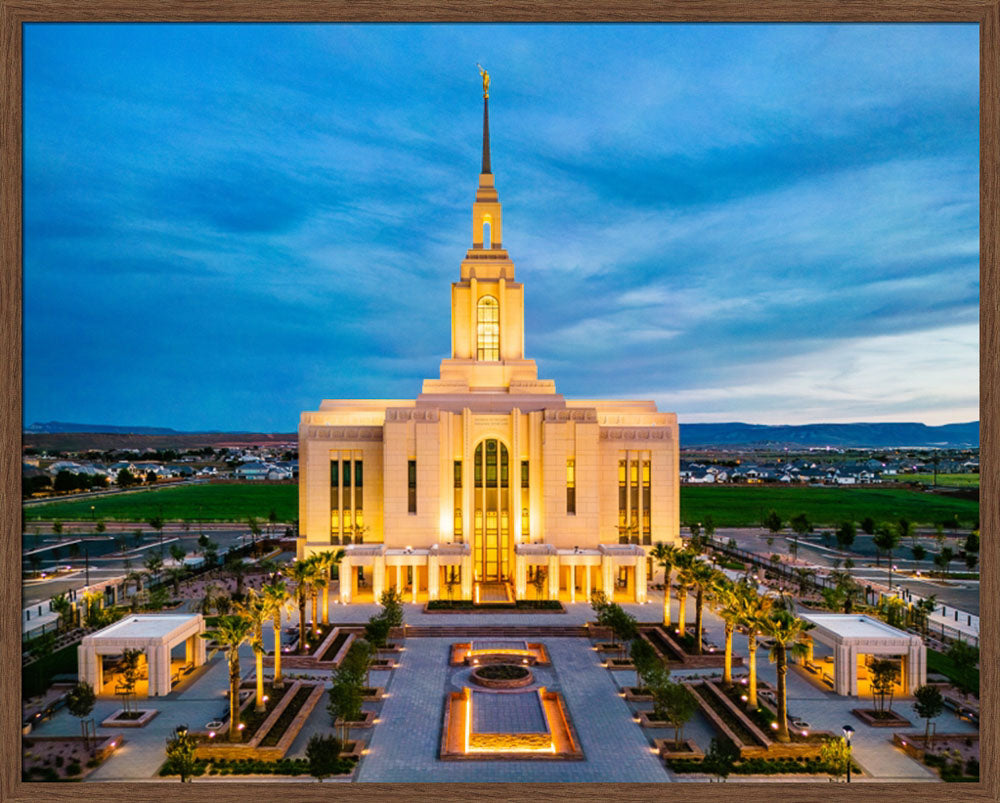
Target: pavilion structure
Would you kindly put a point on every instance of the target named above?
(855, 640)
(156, 635)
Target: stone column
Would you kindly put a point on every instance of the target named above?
(553, 577)
(572, 582)
(467, 576)
(378, 576)
(89, 665)
(607, 577)
(586, 586)
(844, 675)
(416, 582)
(346, 572)
(189, 649)
(520, 577)
(433, 577)
(200, 651)
(399, 579)
(640, 578)
(158, 670)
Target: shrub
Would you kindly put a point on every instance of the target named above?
(76, 769)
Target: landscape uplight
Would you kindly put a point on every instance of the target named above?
(848, 733)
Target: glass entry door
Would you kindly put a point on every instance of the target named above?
(491, 544)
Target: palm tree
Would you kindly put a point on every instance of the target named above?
(177, 552)
(176, 574)
(684, 563)
(665, 556)
(232, 632)
(752, 607)
(703, 578)
(63, 608)
(255, 609)
(237, 568)
(326, 561)
(276, 596)
(318, 582)
(302, 572)
(725, 595)
(788, 633)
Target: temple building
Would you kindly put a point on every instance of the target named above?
(490, 484)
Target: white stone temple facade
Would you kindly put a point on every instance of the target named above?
(489, 474)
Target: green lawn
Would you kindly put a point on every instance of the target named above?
(964, 677)
(215, 502)
(951, 480)
(729, 506)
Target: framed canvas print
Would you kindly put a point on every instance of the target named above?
(664, 473)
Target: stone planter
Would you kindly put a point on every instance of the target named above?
(146, 715)
(867, 716)
(667, 749)
(636, 694)
(367, 721)
(481, 677)
(378, 692)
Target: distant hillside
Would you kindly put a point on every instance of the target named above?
(62, 426)
(883, 435)
(104, 441)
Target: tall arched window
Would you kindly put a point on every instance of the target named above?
(488, 329)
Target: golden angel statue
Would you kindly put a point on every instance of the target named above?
(486, 80)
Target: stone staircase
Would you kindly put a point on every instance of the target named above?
(496, 631)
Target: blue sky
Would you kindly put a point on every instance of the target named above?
(225, 224)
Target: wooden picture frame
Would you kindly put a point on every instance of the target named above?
(14, 13)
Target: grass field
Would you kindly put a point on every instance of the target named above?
(951, 480)
(222, 502)
(729, 506)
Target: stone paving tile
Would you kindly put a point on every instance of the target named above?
(404, 745)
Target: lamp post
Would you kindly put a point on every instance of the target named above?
(848, 733)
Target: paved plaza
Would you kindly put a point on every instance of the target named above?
(403, 746)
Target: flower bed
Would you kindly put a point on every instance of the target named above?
(253, 766)
(330, 653)
(58, 758)
(278, 729)
(129, 719)
(881, 719)
(502, 676)
(800, 765)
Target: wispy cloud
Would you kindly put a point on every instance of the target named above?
(226, 223)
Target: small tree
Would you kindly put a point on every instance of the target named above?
(676, 706)
(180, 753)
(884, 673)
(345, 700)
(538, 581)
(100, 527)
(377, 631)
(919, 552)
(846, 533)
(57, 527)
(80, 702)
(772, 521)
(645, 659)
(358, 661)
(392, 607)
(720, 758)
(323, 754)
(868, 525)
(929, 704)
(130, 676)
(835, 753)
(963, 655)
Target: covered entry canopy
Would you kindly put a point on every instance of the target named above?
(851, 635)
(155, 635)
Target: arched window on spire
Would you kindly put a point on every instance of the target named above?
(488, 329)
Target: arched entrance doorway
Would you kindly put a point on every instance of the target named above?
(491, 521)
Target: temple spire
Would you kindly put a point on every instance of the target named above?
(486, 120)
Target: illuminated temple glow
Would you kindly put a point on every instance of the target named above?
(489, 480)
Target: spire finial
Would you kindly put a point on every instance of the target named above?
(486, 119)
